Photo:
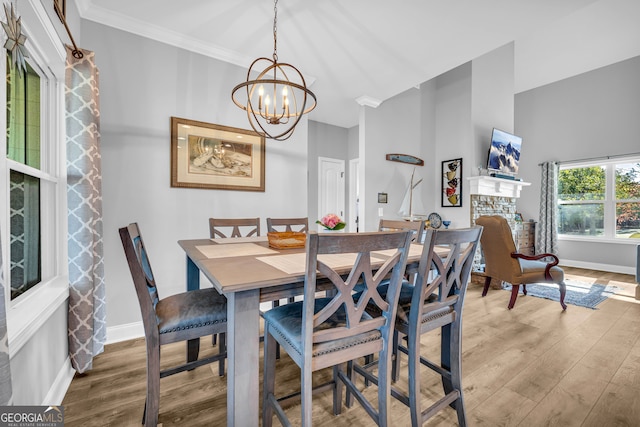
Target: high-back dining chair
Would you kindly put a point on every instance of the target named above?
(503, 262)
(322, 332)
(218, 225)
(391, 224)
(182, 317)
(435, 302)
(289, 224)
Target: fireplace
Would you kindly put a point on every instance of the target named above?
(493, 196)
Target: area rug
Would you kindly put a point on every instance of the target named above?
(578, 293)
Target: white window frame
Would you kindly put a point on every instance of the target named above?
(27, 313)
(609, 201)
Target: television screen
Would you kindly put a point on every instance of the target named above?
(504, 154)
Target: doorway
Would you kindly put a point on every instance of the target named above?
(331, 183)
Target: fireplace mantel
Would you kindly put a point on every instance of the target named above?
(491, 186)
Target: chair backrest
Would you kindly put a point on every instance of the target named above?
(322, 251)
(416, 226)
(300, 224)
(448, 274)
(215, 224)
(142, 275)
(497, 245)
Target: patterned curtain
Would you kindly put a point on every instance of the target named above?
(5, 363)
(87, 316)
(547, 231)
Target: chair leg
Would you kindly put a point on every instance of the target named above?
(455, 356)
(222, 349)
(307, 395)
(514, 295)
(352, 377)
(415, 397)
(384, 386)
(395, 357)
(152, 403)
(337, 390)
(269, 377)
(487, 282)
(524, 288)
(193, 348)
(563, 292)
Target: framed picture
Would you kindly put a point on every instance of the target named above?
(518, 217)
(452, 183)
(382, 197)
(204, 155)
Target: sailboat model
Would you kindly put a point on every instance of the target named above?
(406, 208)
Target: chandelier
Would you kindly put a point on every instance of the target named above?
(278, 97)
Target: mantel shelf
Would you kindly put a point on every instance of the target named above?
(492, 186)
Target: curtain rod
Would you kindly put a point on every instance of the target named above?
(75, 52)
(596, 158)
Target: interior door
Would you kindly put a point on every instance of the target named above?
(331, 182)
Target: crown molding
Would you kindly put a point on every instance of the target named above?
(368, 101)
(92, 12)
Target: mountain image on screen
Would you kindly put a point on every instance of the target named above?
(504, 154)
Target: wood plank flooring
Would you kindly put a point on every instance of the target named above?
(531, 366)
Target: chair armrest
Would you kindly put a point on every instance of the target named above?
(553, 263)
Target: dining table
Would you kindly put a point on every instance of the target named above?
(247, 271)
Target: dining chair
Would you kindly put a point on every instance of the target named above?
(416, 226)
(186, 316)
(504, 263)
(434, 302)
(219, 228)
(300, 224)
(218, 225)
(323, 332)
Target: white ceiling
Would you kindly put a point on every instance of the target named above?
(355, 48)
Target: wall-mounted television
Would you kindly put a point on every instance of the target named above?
(504, 154)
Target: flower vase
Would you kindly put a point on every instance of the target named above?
(329, 230)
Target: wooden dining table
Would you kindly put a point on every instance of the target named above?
(247, 271)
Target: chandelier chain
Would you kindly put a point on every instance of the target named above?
(275, 30)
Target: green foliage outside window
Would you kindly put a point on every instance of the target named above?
(582, 200)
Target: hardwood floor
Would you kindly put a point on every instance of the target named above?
(532, 366)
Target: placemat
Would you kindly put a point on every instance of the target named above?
(240, 239)
(235, 250)
(295, 263)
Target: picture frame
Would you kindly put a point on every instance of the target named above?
(210, 156)
(382, 198)
(518, 217)
(452, 183)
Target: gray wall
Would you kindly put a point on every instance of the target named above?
(392, 127)
(448, 117)
(144, 83)
(324, 141)
(591, 115)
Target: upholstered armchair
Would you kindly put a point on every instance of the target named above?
(503, 262)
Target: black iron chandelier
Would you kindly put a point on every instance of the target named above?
(278, 97)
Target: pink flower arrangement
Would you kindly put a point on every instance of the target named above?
(331, 222)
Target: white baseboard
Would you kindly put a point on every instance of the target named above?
(125, 332)
(60, 385)
(597, 266)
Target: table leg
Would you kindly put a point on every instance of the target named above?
(193, 283)
(243, 387)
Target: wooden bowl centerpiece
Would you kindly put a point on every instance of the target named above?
(287, 239)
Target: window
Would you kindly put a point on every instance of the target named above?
(600, 200)
(32, 177)
(23, 147)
